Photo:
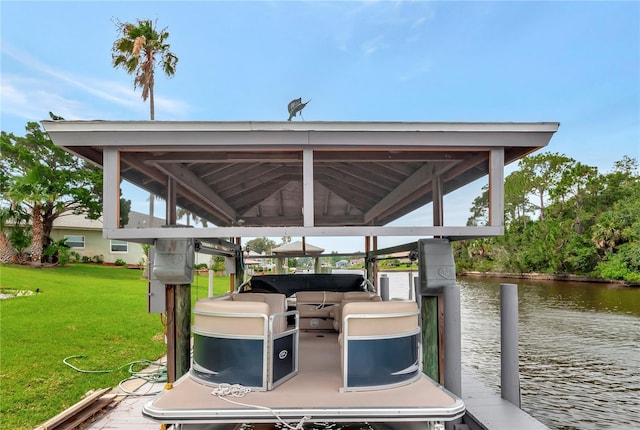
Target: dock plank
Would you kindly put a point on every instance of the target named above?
(489, 411)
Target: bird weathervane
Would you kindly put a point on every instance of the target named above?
(296, 106)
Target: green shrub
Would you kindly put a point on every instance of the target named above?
(98, 259)
(57, 252)
(74, 257)
(613, 269)
(120, 262)
(218, 263)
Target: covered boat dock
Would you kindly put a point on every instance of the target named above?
(305, 179)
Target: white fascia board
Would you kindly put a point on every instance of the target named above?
(225, 232)
(377, 126)
(150, 134)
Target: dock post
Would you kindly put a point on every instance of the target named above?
(170, 299)
(412, 286)
(509, 372)
(210, 283)
(452, 340)
(384, 287)
(182, 329)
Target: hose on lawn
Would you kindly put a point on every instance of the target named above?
(157, 375)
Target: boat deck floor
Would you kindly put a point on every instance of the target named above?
(313, 393)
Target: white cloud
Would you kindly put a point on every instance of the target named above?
(370, 46)
(44, 88)
(419, 22)
(32, 99)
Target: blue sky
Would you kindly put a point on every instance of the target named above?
(577, 63)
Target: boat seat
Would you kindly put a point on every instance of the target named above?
(315, 308)
(277, 306)
(348, 297)
(380, 344)
(241, 340)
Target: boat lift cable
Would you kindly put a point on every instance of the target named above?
(157, 375)
(222, 391)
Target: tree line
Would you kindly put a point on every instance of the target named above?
(561, 217)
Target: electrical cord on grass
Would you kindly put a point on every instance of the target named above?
(150, 377)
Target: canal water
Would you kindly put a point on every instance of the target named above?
(579, 348)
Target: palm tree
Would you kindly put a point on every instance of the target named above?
(181, 212)
(29, 192)
(137, 50)
(12, 223)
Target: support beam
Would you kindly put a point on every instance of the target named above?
(458, 233)
(307, 186)
(438, 211)
(183, 328)
(111, 189)
(170, 298)
(171, 216)
(186, 178)
(419, 178)
(430, 338)
(238, 279)
(496, 187)
(178, 298)
(452, 340)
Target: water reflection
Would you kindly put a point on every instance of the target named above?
(579, 349)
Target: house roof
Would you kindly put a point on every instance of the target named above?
(81, 222)
(297, 247)
(77, 222)
(299, 174)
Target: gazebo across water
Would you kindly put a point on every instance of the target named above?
(297, 248)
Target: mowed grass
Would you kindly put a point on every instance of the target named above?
(96, 311)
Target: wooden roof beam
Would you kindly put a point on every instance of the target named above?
(186, 178)
(418, 179)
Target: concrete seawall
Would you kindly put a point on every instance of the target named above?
(548, 277)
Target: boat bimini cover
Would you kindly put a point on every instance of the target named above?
(291, 284)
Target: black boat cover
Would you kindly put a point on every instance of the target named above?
(290, 284)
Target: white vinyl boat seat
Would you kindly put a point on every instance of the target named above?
(240, 340)
(380, 344)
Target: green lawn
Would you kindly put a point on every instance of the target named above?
(91, 310)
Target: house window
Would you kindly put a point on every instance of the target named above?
(74, 241)
(119, 246)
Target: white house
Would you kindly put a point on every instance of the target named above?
(84, 236)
